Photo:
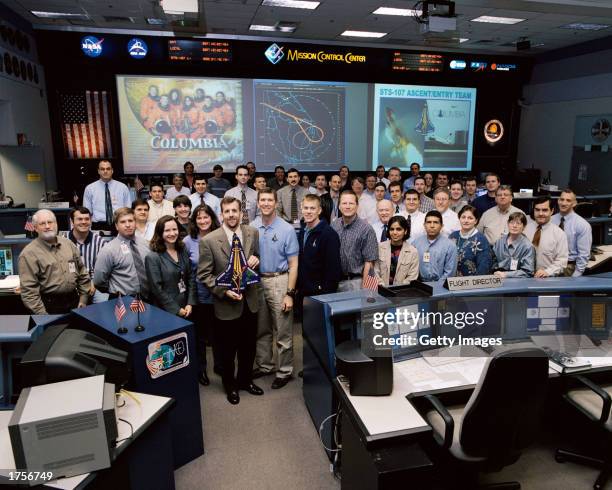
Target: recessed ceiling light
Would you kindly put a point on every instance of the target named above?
(400, 12)
(463, 39)
(59, 15)
(579, 26)
(282, 28)
(179, 6)
(155, 21)
(490, 19)
(294, 4)
(364, 34)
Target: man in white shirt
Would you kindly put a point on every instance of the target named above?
(494, 222)
(202, 196)
(384, 211)
(104, 196)
(370, 184)
(548, 239)
(380, 175)
(244, 194)
(367, 204)
(449, 217)
(178, 189)
(158, 206)
(414, 216)
(335, 185)
(395, 191)
(380, 190)
(578, 232)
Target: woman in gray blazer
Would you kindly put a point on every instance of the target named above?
(168, 270)
(398, 261)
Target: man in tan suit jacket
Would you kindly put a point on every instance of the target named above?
(236, 318)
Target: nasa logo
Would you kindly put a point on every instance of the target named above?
(458, 65)
(92, 46)
(493, 131)
(137, 48)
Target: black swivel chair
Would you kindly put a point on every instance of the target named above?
(499, 420)
(594, 402)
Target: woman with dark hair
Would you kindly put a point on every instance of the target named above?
(428, 176)
(398, 261)
(189, 176)
(169, 270)
(474, 255)
(203, 221)
(514, 255)
(182, 209)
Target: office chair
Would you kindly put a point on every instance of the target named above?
(594, 402)
(498, 421)
(586, 209)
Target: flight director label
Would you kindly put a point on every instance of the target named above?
(137, 48)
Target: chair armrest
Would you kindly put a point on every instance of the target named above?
(449, 423)
(607, 401)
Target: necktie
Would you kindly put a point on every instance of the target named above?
(536, 237)
(140, 268)
(562, 224)
(397, 208)
(243, 208)
(408, 220)
(108, 205)
(294, 212)
(201, 198)
(383, 236)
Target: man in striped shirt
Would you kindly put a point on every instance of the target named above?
(88, 243)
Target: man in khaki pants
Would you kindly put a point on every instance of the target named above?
(278, 268)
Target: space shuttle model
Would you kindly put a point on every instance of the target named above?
(237, 275)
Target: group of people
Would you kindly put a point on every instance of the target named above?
(301, 240)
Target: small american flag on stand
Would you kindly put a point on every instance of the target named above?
(138, 185)
(120, 310)
(86, 124)
(29, 226)
(370, 281)
(137, 305)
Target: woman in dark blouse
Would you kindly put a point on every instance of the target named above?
(169, 270)
(474, 254)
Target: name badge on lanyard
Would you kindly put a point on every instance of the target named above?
(72, 267)
(426, 257)
(181, 286)
(124, 249)
(513, 264)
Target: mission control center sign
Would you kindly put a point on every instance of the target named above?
(276, 53)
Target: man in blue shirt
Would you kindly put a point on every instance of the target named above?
(437, 254)
(278, 269)
(103, 197)
(487, 201)
(415, 169)
(578, 231)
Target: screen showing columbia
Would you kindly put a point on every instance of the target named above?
(433, 126)
(167, 120)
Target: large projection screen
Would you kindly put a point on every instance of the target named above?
(311, 125)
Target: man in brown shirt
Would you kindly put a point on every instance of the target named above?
(52, 275)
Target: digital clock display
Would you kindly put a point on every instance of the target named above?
(199, 51)
(417, 62)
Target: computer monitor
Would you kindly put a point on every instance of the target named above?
(62, 353)
(6, 261)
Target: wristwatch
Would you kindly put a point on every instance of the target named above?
(291, 293)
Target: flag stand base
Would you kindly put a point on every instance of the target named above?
(122, 330)
(139, 328)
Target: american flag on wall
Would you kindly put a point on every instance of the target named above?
(86, 124)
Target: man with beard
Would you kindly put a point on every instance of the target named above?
(158, 118)
(51, 273)
(148, 103)
(225, 110)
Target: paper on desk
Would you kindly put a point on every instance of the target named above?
(423, 377)
(9, 282)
